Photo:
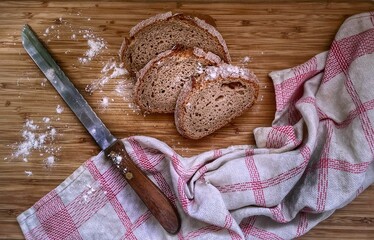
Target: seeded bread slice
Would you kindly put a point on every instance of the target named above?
(159, 83)
(213, 99)
(161, 32)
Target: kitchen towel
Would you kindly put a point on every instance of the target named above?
(315, 158)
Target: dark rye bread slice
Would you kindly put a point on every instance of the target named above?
(159, 83)
(213, 99)
(160, 33)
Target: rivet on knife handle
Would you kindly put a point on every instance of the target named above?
(149, 193)
(158, 204)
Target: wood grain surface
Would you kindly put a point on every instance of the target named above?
(276, 35)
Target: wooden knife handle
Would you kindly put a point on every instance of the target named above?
(156, 201)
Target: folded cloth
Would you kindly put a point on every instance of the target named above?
(315, 158)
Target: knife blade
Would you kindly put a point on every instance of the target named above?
(156, 201)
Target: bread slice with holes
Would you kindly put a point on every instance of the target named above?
(213, 99)
(159, 83)
(160, 33)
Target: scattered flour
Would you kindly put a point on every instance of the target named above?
(49, 161)
(46, 119)
(59, 109)
(96, 46)
(62, 29)
(246, 60)
(124, 89)
(135, 108)
(104, 102)
(227, 70)
(31, 141)
(111, 70)
(36, 137)
(53, 133)
(88, 193)
(118, 159)
(39, 136)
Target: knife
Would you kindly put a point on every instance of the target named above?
(156, 201)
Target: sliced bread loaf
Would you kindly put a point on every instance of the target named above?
(161, 32)
(213, 99)
(159, 83)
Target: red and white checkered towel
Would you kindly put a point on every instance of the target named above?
(317, 157)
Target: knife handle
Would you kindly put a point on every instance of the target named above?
(156, 201)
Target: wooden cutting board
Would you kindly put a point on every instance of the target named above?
(274, 35)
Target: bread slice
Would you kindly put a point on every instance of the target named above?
(213, 99)
(159, 83)
(161, 32)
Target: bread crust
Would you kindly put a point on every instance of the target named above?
(199, 54)
(179, 113)
(145, 24)
(196, 85)
(124, 46)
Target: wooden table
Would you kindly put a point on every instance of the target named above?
(274, 35)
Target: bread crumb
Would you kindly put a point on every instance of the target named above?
(135, 108)
(44, 81)
(46, 32)
(28, 173)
